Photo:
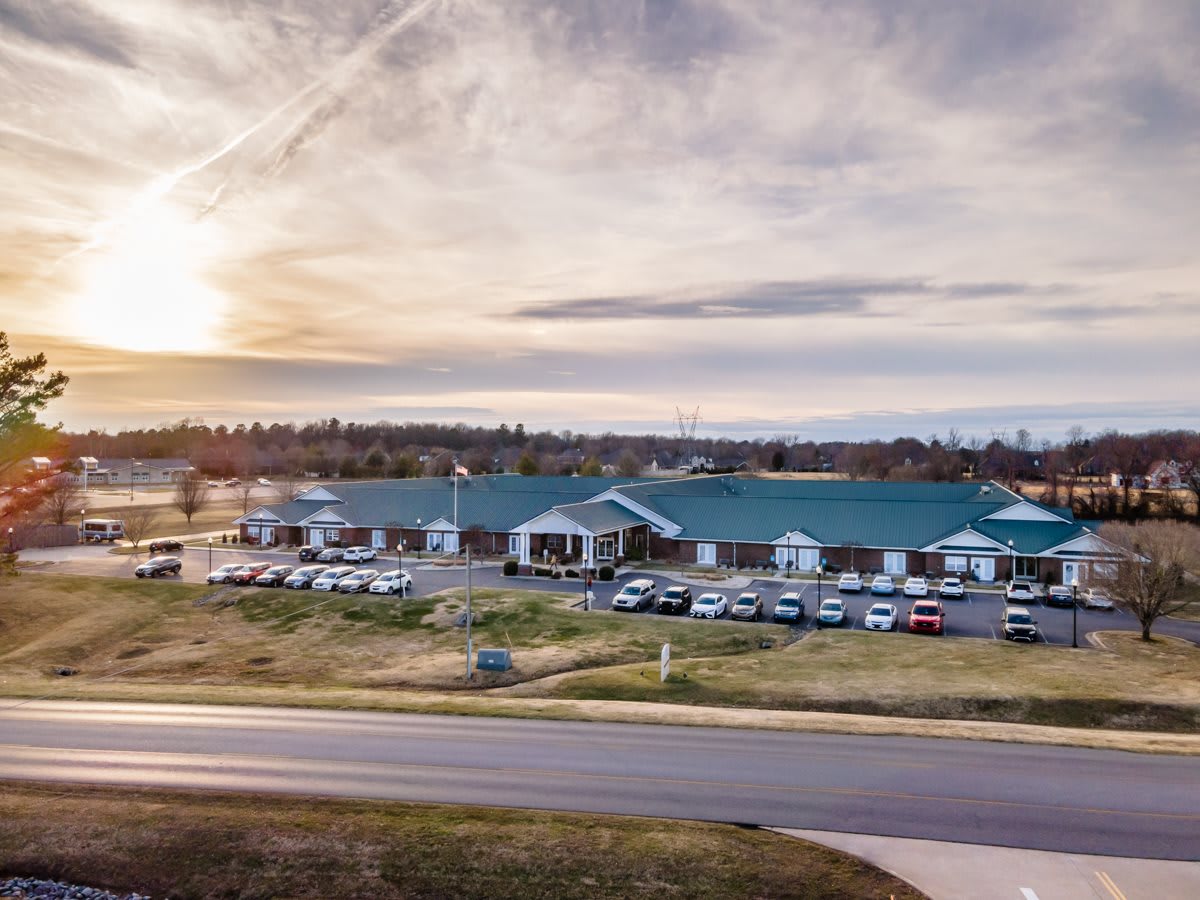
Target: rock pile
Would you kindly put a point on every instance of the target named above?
(58, 890)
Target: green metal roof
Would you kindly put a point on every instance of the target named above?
(601, 517)
(1029, 538)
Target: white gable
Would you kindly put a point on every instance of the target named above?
(550, 522)
(318, 493)
(664, 525)
(795, 539)
(968, 538)
(442, 524)
(1025, 512)
(1090, 543)
(325, 516)
(258, 515)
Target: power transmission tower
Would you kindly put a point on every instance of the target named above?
(686, 422)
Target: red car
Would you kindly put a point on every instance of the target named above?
(927, 616)
(249, 572)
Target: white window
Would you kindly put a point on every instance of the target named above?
(895, 563)
(332, 534)
(706, 554)
(606, 548)
(1027, 567)
(378, 539)
(514, 544)
(956, 564)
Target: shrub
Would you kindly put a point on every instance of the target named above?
(635, 554)
(541, 571)
(571, 573)
(556, 574)
(606, 573)
(510, 567)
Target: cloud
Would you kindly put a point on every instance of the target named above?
(76, 26)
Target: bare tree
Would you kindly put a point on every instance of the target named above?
(286, 486)
(138, 522)
(1154, 560)
(61, 499)
(191, 496)
(243, 491)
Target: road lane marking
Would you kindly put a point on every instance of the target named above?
(1110, 885)
(1029, 894)
(101, 757)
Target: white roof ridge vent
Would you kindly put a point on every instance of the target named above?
(985, 489)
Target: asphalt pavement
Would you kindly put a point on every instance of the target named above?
(976, 615)
(1062, 799)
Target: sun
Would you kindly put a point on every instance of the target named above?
(143, 289)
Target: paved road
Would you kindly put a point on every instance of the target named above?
(1049, 798)
(975, 615)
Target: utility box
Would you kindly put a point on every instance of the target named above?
(494, 660)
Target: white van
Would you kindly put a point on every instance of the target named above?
(102, 530)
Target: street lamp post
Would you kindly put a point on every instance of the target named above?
(82, 513)
(10, 539)
(820, 573)
(132, 462)
(210, 554)
(420, 541)
(400, 566)
(1074, 610)
(587, 583)
(788, 567)
(1012, 563)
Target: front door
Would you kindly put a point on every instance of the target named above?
(378, 538)
(983, 568)
(316, 537)
(1071, 572)
(268, 535)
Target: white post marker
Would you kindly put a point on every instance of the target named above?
(664, 666)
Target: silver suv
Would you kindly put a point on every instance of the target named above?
(637, 595)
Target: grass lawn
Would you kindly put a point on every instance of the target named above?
(184, 844)
(216, 516)
(1128, 685)
(167, 634)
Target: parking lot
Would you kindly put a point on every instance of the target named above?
(975, 615)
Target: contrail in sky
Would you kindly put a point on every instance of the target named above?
(391, 21)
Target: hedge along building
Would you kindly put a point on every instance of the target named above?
(975, 530)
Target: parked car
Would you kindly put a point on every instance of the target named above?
(359, 554)
(249, 572)
(916, 586)
(232, 482)
(214, 484)
(357, 582)
(1018, 625)
(264, 482)
(675, 599)
(274, 576)
(1059, 595)
(951, 587)
(159, 565)
(789, 608)
(309, 553)
(709, 606)
(883, 584)
(832, 612)
(851, 581)
(748, 606)
(164, 545)
(331, 554)
(1019, 592)
(882, 617)
(223, 575)
(302, 579)
(636, 595)
(391, 582)
(927, 616)
(1096, 598)
(328, 580)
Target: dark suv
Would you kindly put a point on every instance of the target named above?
(675, 599)
(159, 565)
(309, 553)
(165, 545)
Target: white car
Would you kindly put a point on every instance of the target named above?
(709, 606)
(328, 580)
(882, 617)
(359, 554)
(916, 586)
(1019, 592)
(951, 587)
(850, 581)
(214, 484)
(1096, 598)
(832, 612)
(265, 482)
(391, 582)
(883, 584)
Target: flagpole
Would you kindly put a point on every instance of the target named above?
(455, 464)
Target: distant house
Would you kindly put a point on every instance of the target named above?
(572, 457)
(1167, 474)
(94, 473)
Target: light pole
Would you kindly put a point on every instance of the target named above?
(82, 513)
(587, 583)
(420, 539)
(132, 461)
(400, 566)
(820, 572)
(1074, 610)
(1012, 575)
(210, 554)
(10, 539)
(789, 559)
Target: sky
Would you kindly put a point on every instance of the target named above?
(820, 219)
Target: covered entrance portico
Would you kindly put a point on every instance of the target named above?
(595, 532)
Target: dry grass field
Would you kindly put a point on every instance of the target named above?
(191, 845)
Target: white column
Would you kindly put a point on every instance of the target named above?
(524, 547)
(621, 542)
(570, 539)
